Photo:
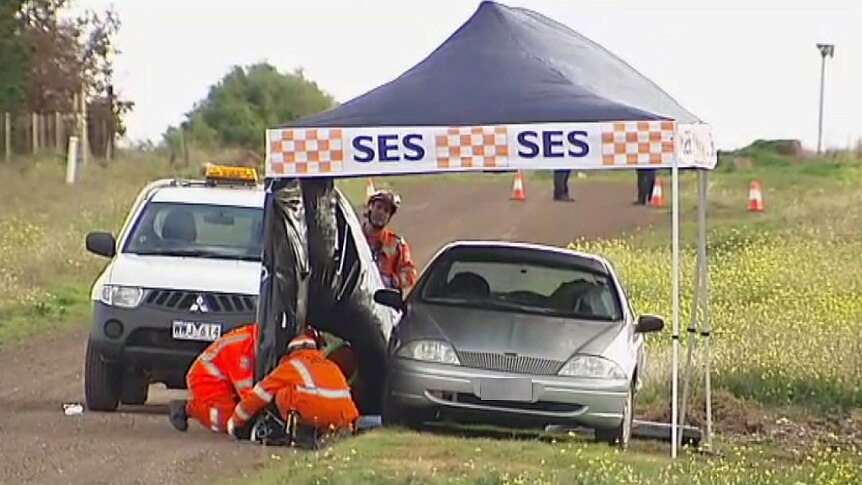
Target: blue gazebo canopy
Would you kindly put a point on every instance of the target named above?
(509, 65)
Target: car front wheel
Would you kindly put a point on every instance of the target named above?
(101, 382)
(621, 435)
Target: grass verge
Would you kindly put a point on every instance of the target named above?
(395, 457)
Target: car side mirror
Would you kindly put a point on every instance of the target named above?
(390, 297)
(102, 243)
(648, 324)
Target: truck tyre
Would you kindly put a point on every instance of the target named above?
(101, 382)
(135, 389)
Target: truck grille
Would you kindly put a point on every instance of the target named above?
(521, 364)
(215, 302)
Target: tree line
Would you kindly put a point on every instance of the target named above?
(239, 108)
(51, 61)
(56, 63)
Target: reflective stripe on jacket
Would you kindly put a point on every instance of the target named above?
(229, 359)
(304, 382)
(394, 260)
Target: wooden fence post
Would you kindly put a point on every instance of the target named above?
(34, 128)
(40, 126)
(58, 136)
(85, 132)
(7, 137)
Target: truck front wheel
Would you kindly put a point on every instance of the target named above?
(101, 381)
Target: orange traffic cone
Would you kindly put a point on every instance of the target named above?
(369, 187)
(755, 197)
(518, 187)
(656, 199)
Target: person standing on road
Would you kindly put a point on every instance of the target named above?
(646, 181)
(561, 186)
(221, 375)
(306, 385)
(391, 252)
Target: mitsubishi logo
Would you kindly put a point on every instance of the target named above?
(199, 306)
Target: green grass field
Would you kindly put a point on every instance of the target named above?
(786, 306)
(393, 457)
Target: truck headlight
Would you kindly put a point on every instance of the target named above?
(593, 367)
(121, 296)
(429, 351)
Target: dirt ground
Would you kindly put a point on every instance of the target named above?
(39, 444)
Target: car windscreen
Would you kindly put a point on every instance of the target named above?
(521, 285)
(198, 230)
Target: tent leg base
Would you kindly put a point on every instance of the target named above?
(646, 430)
(651, 430)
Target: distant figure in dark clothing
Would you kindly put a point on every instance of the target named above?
(646, 181)
(561, 185)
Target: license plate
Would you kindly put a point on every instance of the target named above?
(505, 389)
(206, 332)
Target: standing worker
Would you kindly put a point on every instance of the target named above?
(646, 181)
(391, 252)
(561, 185)
(305, 386)
(221, 375)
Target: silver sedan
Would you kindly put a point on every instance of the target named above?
(516, 334)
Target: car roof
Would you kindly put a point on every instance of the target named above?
(230, 196)
(530, 246)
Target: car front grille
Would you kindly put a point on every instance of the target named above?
(214, 302)
(520, 364)
(542, 406)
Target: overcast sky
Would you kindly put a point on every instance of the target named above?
(749, 68)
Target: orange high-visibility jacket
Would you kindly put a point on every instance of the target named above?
(394, 260)
(230, 360)
(307, 383)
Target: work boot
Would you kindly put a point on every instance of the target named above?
(177, 415)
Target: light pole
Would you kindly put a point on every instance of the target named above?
(825, 50)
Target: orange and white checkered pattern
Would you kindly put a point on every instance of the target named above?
(637, 143)
(476, 146)
(306, 150)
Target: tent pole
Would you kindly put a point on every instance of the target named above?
(706, 326)
(691, 340)
(675, 299)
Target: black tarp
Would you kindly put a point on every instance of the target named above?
(318, 270)
(509, 65)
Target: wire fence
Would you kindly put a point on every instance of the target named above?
(40, 133)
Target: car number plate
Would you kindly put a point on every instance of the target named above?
(206, 332)
(505, 389)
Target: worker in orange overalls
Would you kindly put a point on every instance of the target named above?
(306, 384)
(391, 252)
(220, 376)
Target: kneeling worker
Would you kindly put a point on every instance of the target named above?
(221, 375)
(304, 383)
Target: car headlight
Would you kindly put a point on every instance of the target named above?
(121, 296)
(430, 351)
(593, 367)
